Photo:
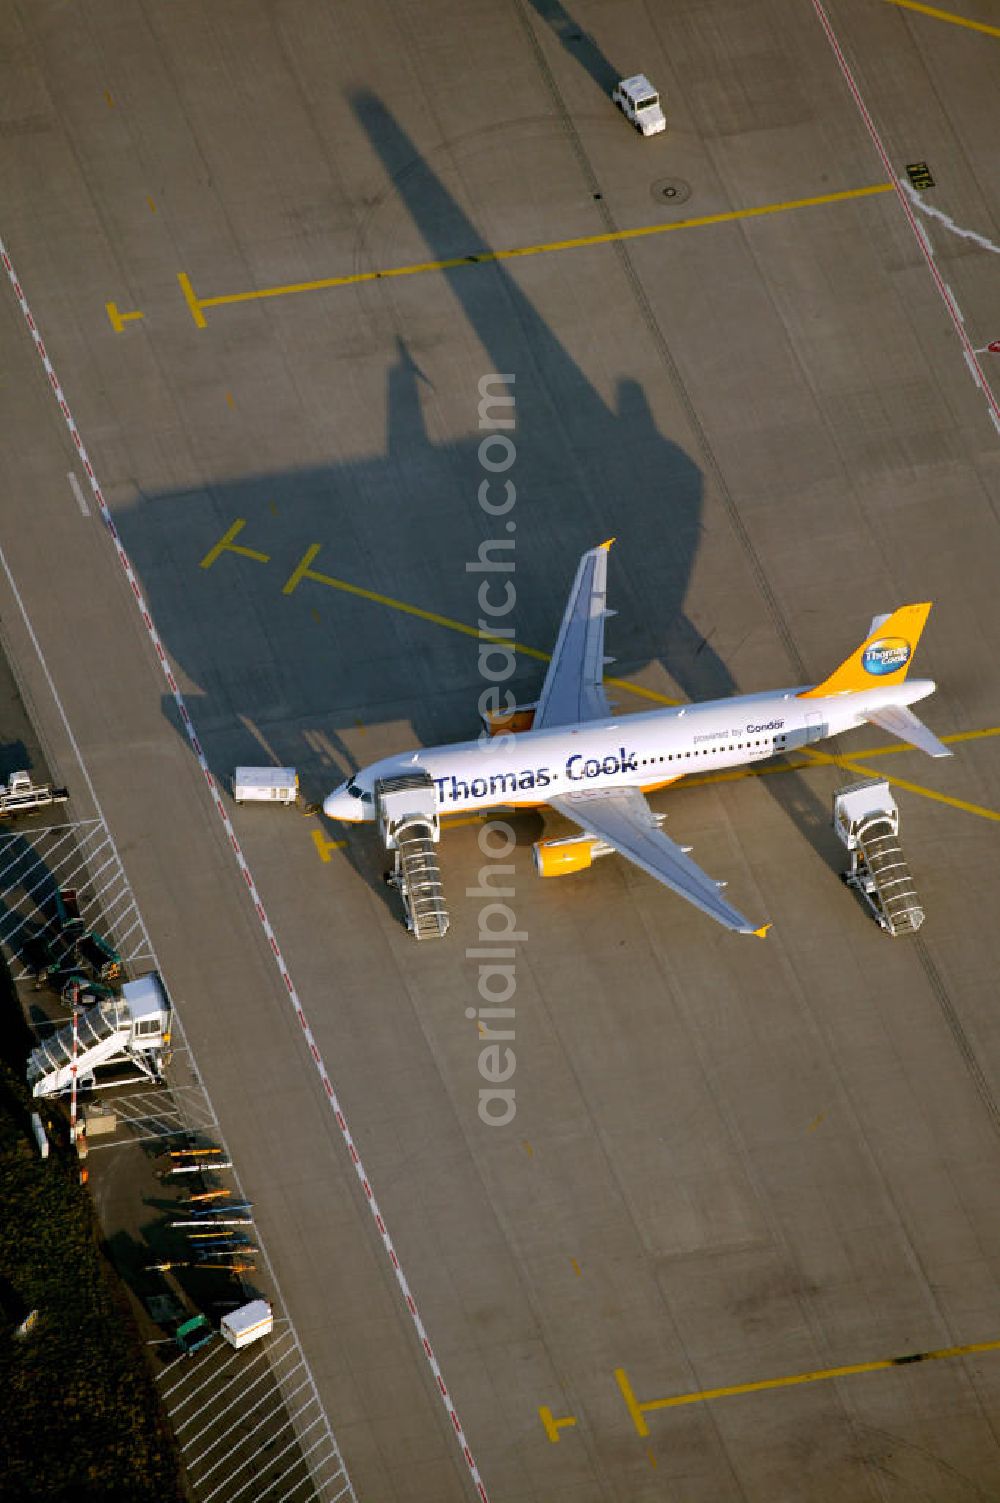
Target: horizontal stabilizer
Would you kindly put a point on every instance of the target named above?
(901, 722)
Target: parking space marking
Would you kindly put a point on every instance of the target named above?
(637, 1410)
(946, 15)
(197, 304)
(35, 863)
(290, 991)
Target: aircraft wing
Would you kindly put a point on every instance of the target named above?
(900, 721)
(622, 818)
(573, 690)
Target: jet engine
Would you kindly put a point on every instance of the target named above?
(558, 858)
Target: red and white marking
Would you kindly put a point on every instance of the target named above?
(331, 1095)
(944, 290)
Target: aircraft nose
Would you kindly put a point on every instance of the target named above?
(333, 804)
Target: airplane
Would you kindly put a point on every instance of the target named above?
(594, 768)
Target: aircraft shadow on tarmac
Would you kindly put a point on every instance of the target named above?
(577, 43)
(405, 522)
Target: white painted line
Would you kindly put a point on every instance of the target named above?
(81, 500)
(992, 402)
(457, 1430)
(921, 204)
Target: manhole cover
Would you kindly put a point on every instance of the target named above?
(671, 190)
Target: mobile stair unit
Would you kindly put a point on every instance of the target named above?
(406, 808)
(132, 1029)
(866, 819)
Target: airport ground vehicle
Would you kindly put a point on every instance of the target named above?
(594, 769)
(191, 1335)
(640, 103)
(19, 795)
(247, 1324)
(265, 785)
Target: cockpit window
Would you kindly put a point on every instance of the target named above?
(357, 792)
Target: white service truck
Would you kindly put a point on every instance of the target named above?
(265, 785)
(640, 103)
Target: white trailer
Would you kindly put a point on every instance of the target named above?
(247, 1324)
(265, 785)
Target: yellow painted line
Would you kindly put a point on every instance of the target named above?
(108, 100)
(486, 258)
(304, 570)
(576, 1268)
(946, 15)
(226, 545)
(119, 319)
(324, 846)
(152, 206)
(851, 764)
(189, 297)
(553, 1425)
(230, 399)
(638, 1410)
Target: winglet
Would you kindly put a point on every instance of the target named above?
(606, 546)
(761, 933)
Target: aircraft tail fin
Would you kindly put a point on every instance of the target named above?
(883, 658)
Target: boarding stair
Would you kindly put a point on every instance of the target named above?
(867, 820)
(132, 1029)
(103, 1033)
(406, 809)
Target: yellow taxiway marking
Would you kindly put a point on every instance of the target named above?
(638, 1410)
(853, 764)
(303, 570)
(553, 1425)
(485, 258)
(193, 304)
(226, 545)
(324, 846)
(947, 15)
(152, 206)
(119, 319)
(230, 399)
(808, 757)
(108, 100)
(576, 1268)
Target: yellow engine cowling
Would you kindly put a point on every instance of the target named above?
(559, 858)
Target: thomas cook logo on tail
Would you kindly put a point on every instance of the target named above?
(887, 655)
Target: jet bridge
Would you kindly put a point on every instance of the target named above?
(406, 809)
(132, 1029)
(866, 818)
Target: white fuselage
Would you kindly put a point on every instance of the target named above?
(632, 751)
